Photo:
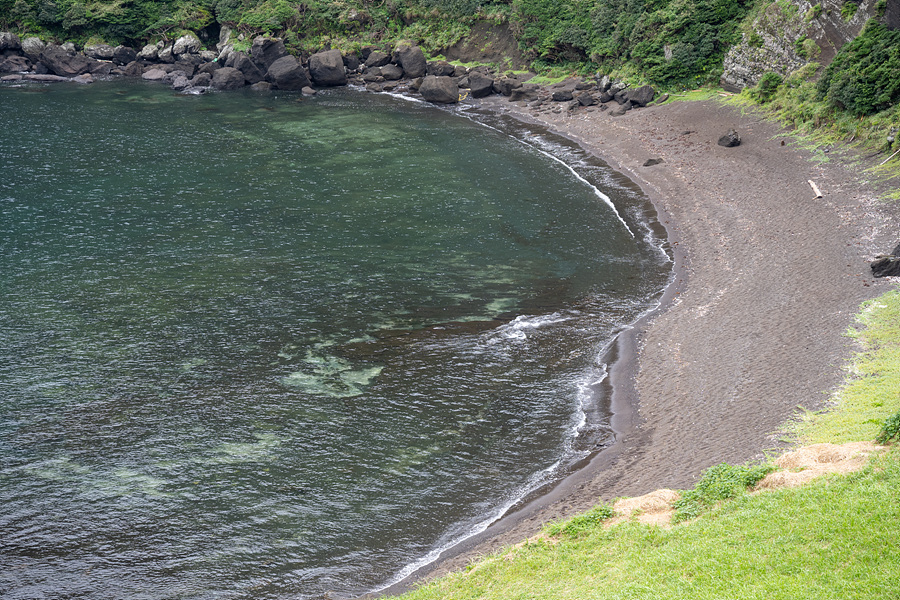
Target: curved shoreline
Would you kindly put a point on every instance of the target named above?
(775, 277)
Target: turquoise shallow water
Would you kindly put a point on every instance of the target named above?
(273, 347)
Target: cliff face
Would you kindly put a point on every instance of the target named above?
(790, 33)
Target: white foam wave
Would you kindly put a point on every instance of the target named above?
(536, 480)
(516, 329)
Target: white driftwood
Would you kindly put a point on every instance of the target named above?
(890, 157)
(815, 188)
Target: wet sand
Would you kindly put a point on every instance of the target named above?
(767, 280)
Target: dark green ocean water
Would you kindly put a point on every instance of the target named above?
(262, 346)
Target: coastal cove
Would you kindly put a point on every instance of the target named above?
(165, 417)
(751, 332)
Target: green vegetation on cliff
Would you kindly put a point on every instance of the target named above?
(666, 41)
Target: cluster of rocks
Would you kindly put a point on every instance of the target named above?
(598, 93)
(887, 265)
(187, 67)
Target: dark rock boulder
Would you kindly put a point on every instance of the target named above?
(641, 96)
(377, 59)
(101, 68)
(391, 72)
(327, 68)
(210, 68)
(621, 96)
(505, 85)
(480, 85)
(527, 91)
(227, 78)
(604, 83)
(99, 51)
(351, 62)
(605, 97)
(412, 60)
(242, 62)
(287, 73)
(440, 90)
(61, 63)
(122, 55)
(180, 82)
(201, 80)
(652, 161)
(886, 266)
(440, 68)
(154, 75)
(586, 99)
(9, 41)
(730, 139)
(265, 51)
(133, 69)
(561, 96)
(189, 63)
(14, 64)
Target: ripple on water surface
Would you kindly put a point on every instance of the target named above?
(267, 346)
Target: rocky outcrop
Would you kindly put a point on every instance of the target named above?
(61, 63)
(186, 44)
(480, 85)
(412, 60)
(242, 62)
(287, 73)
(641, 96)
(14, 64)
(99, 51)
(265, 51)
(9, 41)
(327, 68)
(787, 35)
(32, 47)
(440, 90)
(228, 78)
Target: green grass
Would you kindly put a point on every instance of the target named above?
(835, 537)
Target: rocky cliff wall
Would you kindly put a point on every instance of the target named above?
(790, 33)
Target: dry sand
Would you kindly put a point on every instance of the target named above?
(768, 279)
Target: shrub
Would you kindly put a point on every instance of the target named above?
(890, 431)
(767, 86)
(721, 482)
(848, 10)
(864, 78)
(583, 523)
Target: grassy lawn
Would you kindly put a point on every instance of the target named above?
(835, 538)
